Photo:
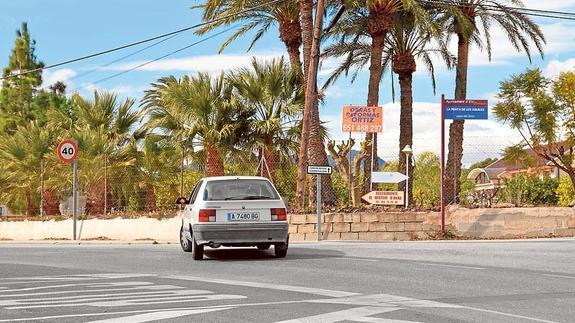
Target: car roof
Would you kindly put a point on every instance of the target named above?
(220, 178)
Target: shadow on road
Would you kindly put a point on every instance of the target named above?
(294, 253)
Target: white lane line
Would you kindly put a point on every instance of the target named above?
(74, 277)
(359, 259)
(177, 297)
(153, 287)
(147, 311)
(287, 288)
(155, 316)
(508, 314)
(353, 314)
(113, 284)
(559, 276)
(451, 266)
(94, 297)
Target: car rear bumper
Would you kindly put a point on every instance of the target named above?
(241, 233)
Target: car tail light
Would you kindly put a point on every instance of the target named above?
(207, 215)
(279, 214)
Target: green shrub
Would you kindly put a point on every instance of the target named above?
(530, 189)
(565, 192)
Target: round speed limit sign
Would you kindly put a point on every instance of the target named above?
(67, 151)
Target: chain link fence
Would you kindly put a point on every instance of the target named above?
(110, 186)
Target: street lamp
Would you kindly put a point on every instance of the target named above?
(407, 151)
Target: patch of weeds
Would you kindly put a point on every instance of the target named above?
(59, 217)
(436, 235)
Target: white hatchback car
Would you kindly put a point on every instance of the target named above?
(235, 211)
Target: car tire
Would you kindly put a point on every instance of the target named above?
(281, 249)
(264, 246)
(184, 241)
(197, 250)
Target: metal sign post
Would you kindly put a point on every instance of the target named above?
(457, 110)
(318, 207)
(318, 170)
(75, 196)
(68, 152)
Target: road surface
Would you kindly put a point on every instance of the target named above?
(465, 281)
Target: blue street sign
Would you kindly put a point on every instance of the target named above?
(466, 109)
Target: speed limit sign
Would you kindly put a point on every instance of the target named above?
(67, 151)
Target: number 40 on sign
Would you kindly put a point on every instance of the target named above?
(67, 151)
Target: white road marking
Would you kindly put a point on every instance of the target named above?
(76, 277)
(359, 259)
(508, 314)
(152, 287)
(180, 296)
(451, 266)
(154, 316)
(559, 276)
(352, 314)
(88, 285)
(96, 297)
(288, 288)
(385, 300)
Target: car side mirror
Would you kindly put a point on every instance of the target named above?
(181, 201)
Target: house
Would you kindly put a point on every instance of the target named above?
(493, 175)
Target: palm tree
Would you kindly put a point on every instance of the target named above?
(471, 21)
(410, 41)
(106, 129)
(372, 20)
(21, 155)
(198, 109)
(284, 14)
(272, 94)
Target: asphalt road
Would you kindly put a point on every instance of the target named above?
(485, 281)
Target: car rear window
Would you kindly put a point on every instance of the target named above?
(239, 189)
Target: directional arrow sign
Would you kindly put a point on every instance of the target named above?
(387, 177)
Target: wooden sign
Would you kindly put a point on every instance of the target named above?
(362, 119)
(384, 198)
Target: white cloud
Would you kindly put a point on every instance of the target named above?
(555, 67)
(549, 4)
(121, 90)
(483, 138)
(206, 63)
(51, 77)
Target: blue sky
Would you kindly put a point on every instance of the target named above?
(66, 29)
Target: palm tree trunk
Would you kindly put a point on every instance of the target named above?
(375, 72)
(455, 155)
(30, 207)
(150, 198)
(51, 202)
(269, 168)
(317, 156)
(306, 11)
(215, 162)
(290, 35)
(406, 130)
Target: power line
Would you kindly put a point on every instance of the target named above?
(164, 56)
(161, 57)
(524, 10)
(121, 58)
(144, 41)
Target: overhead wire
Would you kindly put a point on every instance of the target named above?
(161, 57)
(524, 10)
(147, 40)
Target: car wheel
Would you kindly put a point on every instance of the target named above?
(184, 241)
(281, 249)
(197, 250)
(264, 246)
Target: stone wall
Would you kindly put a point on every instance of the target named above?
(360, 226)
(510, 222)
(475, 223)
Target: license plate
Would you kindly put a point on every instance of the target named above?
(243, 216)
